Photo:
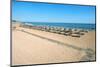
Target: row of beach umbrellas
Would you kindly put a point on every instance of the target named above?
(59, 30)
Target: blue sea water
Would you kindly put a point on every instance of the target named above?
(65, 25)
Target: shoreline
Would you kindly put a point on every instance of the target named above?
(47, 25)
(74, 32)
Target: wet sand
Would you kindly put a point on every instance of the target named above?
(30, 46)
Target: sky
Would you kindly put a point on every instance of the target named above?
(52, 13)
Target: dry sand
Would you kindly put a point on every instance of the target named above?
(32, 49)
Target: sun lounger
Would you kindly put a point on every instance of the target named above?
(75, 35)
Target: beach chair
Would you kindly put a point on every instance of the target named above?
(75, 35)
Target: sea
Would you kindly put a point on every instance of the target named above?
(64, 25)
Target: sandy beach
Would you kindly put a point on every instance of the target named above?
(31, 46)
